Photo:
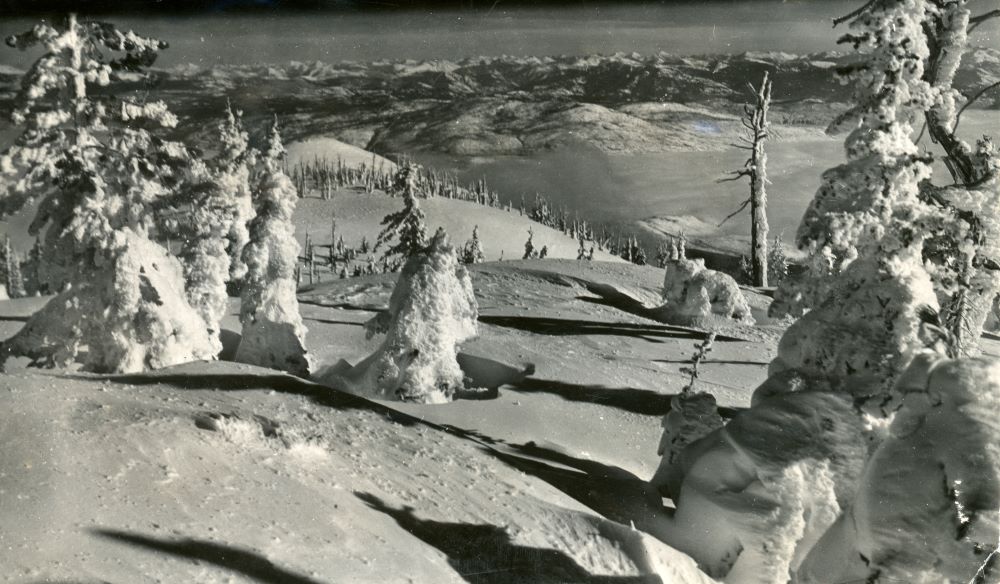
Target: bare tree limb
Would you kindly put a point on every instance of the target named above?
(737, 175)
(975, 21)
(858, 12)
(734, 213)
(980, 93)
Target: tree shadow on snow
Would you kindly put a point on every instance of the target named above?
(231, 558)
(611, 491)
(636, 401)
(570, 327)
(608, 296)
(485, 554)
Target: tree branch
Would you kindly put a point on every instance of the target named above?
(734, 213)
(975, 21)
(737, 175)
(980, 93)
(858, 12)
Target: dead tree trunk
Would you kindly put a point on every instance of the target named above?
(756, 127)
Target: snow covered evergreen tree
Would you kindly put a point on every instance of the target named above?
(232, 165)
(407, 225)
(203, 229)
(911, 52)
(868, 223)
(472, 253)
(529, 246)
(98, 175)
(273, 334)
(431, 311)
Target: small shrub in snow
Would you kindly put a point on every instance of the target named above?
(273, 334)
(432, 310)
(529, 246)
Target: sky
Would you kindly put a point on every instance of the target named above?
(217, 32)
(23, 7)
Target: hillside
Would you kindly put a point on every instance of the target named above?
(220, 472)
(502, 232)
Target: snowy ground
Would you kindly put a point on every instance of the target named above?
(215, 472)
(218, 472)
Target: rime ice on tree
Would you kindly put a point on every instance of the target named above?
(97, 175)
(232, 166)
(472, 253)
(406, 225)
(432, 310)
(273, 334)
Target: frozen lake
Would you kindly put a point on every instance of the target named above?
(624, 188)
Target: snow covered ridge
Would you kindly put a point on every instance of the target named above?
(616, 78)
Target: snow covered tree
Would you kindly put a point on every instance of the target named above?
(529, 246)
(12, 271)
(407, 225)
(273, 334)
(98, 173)
(939, 467)
(911, 54)
(232, 167)
(756, 132)
(866, 227)
(207, 221)
(777, 262)
(431, 311)
(472, 253)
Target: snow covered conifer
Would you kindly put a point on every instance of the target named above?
(407, 225)
(98, 175)
(431, 311)
(208, 219)
(529, 246)
(472, 253)
(233, 164)
(273, 334)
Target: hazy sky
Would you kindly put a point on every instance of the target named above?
(493, 27)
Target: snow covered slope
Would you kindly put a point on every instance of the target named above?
(502, 232)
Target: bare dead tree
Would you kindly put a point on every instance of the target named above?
(756, 132)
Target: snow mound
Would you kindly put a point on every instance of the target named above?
(756, 495)
(693, 294)
(928, 506)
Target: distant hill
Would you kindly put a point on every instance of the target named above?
(518, 105)
(503, 233)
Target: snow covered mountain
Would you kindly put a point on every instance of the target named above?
(516, 105)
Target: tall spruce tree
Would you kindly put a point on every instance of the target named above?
(407, 226)
(273, 334)
(98, 171)
(232, 165)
